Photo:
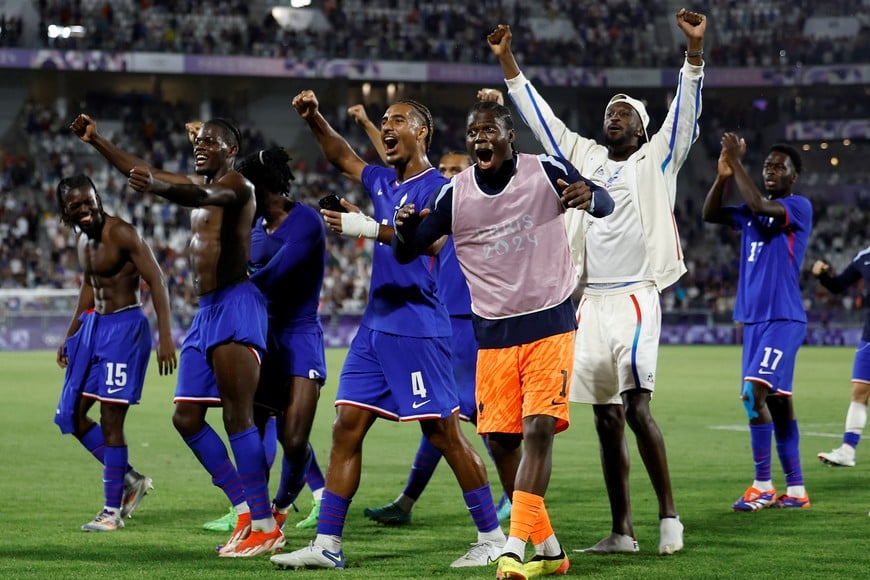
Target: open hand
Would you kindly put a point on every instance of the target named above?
(733, 149)
(575, 195)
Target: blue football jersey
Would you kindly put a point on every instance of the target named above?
(771, 253)
(288, 268)
(857, 269)
(452, 287)
(403, 299)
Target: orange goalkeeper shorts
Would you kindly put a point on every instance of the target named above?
(524, 380)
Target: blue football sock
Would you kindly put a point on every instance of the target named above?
(94, 442)
(333, 512)
(211, 452)
(761, 448)
(270, 441)
(788, 449)
(292, 481)
(482, 509)
(851, 439)
(113, 475)
(425, 462)
(314, 476)
(251, 463)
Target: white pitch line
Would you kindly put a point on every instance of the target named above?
(745, 428)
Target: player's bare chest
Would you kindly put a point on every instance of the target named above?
(100, 259)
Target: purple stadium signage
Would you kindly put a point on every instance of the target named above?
(45, 333)
(249, 66)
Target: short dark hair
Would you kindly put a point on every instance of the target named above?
(65, 186)
(426, 116)
(792, 154)
(229, 130)
(500, 112)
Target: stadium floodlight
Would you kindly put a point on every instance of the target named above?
(299, 3)
(55, 31)
(297, 18)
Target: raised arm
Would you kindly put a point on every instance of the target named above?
(145, 262)
(334, 146)
(549, 130)
(693, 25)
(230, 190)
(499, 41)
(673, 140)
(713, 211)
(85, 129)
(733, 148)
(358, 114)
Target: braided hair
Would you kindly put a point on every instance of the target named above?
(269, 171)
(500, 112)
(68, 184)
(425, 115)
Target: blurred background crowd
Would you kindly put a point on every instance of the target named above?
(37, 149)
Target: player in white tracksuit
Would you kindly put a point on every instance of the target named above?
(625, 260)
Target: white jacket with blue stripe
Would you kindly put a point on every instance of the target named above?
(651, 171)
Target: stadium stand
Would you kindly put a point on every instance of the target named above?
(147, 116)
(624, 33)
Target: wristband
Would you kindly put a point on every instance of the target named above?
(693, 53)
(359, 225)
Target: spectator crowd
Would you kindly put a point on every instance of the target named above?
(37, 251)
(613, 33)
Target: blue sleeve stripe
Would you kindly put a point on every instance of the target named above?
(549, 159)
(674, 126)
(553, 143)
(445, 189)
(697, 108)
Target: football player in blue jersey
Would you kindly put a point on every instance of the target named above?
(856, 416)
(775, 227)
(453, 291)
(398, 365)
(288, 245)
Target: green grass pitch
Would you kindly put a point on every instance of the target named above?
(49, 486)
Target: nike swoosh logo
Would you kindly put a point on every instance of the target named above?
(113, 391)
(555, 402)
(336, 557)
(761, 372)
(417, 405)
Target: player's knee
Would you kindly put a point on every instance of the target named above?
(185, 423)
(609, 418)
(747, 397)
(295, 447)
